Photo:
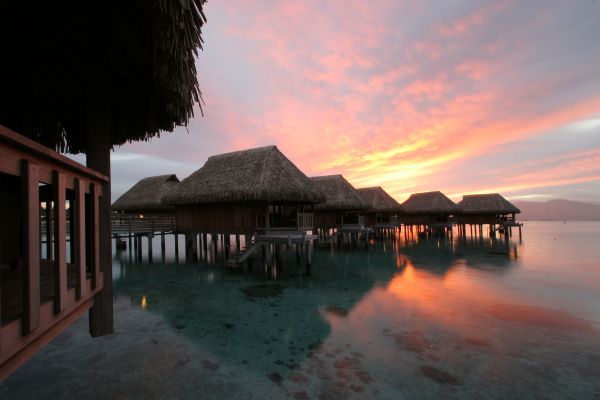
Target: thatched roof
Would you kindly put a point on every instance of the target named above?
(429, 202)
(147, 194)
(378, 200)
(339, 193)
(486, 203)
(130, 61)
(260, 174)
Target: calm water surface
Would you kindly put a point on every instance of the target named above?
(423, 319)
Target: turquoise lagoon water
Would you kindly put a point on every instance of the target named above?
(420, 319)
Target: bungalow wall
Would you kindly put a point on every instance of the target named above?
(424, 219)
(326, 219)
(241, 218)
(483, 218)
(374, 218)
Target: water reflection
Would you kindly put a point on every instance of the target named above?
(422, 318)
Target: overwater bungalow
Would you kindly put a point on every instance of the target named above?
(141, 212)
(77, 82)
(343, 211)
(490, 209)
(258, 193)
(382, 210)
(429, 212)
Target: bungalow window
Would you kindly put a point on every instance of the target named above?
(283, 216)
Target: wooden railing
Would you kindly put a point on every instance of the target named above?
(304, 221)
(37, 322)
(361, 220)
(127, 224)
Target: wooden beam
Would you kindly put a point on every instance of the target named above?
(78, 213)
(60, 243)
(31, 246)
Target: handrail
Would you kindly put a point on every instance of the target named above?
(45, 153)
(39, 322)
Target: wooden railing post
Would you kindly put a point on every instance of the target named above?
(95, 232)
(60, 243)
(31, 246)
(78, 213)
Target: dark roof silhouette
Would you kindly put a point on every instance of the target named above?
(486, 203)
(147, 194)
(259, 174)
(378, 200)
(339, 193)
(429, 202)
(130, 62)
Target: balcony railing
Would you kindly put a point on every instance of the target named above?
(304, 221)
(43, 297)
(128, 224)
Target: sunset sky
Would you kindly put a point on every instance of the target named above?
(458, 96)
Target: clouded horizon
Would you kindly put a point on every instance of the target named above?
(458, 96)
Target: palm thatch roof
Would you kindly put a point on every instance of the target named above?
(378, 200)
(147, 194)
(260, 174)
(486, 203)
(133, 61)
(339, 193)
(429, 203)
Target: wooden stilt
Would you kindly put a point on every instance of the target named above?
(98, 144)
(308, 258)
(176, 236)
(150, 255)
(162, 246)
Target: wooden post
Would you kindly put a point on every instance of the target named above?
(308, 258)
(204, 243)
(176, 247)
(31, 246)
(188, 247)
(49, 231)
(162, 246)
(60, 260)
(98, 147)
(194, 240)
(78, 212)
(95, 239)
(150, 248)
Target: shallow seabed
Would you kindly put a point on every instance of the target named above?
(415, 320)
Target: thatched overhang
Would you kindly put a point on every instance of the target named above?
(339, 193)
(489, 203)
(147, 194)
(429, 203)
(262, 174)
(378, 200)
(132, 61)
